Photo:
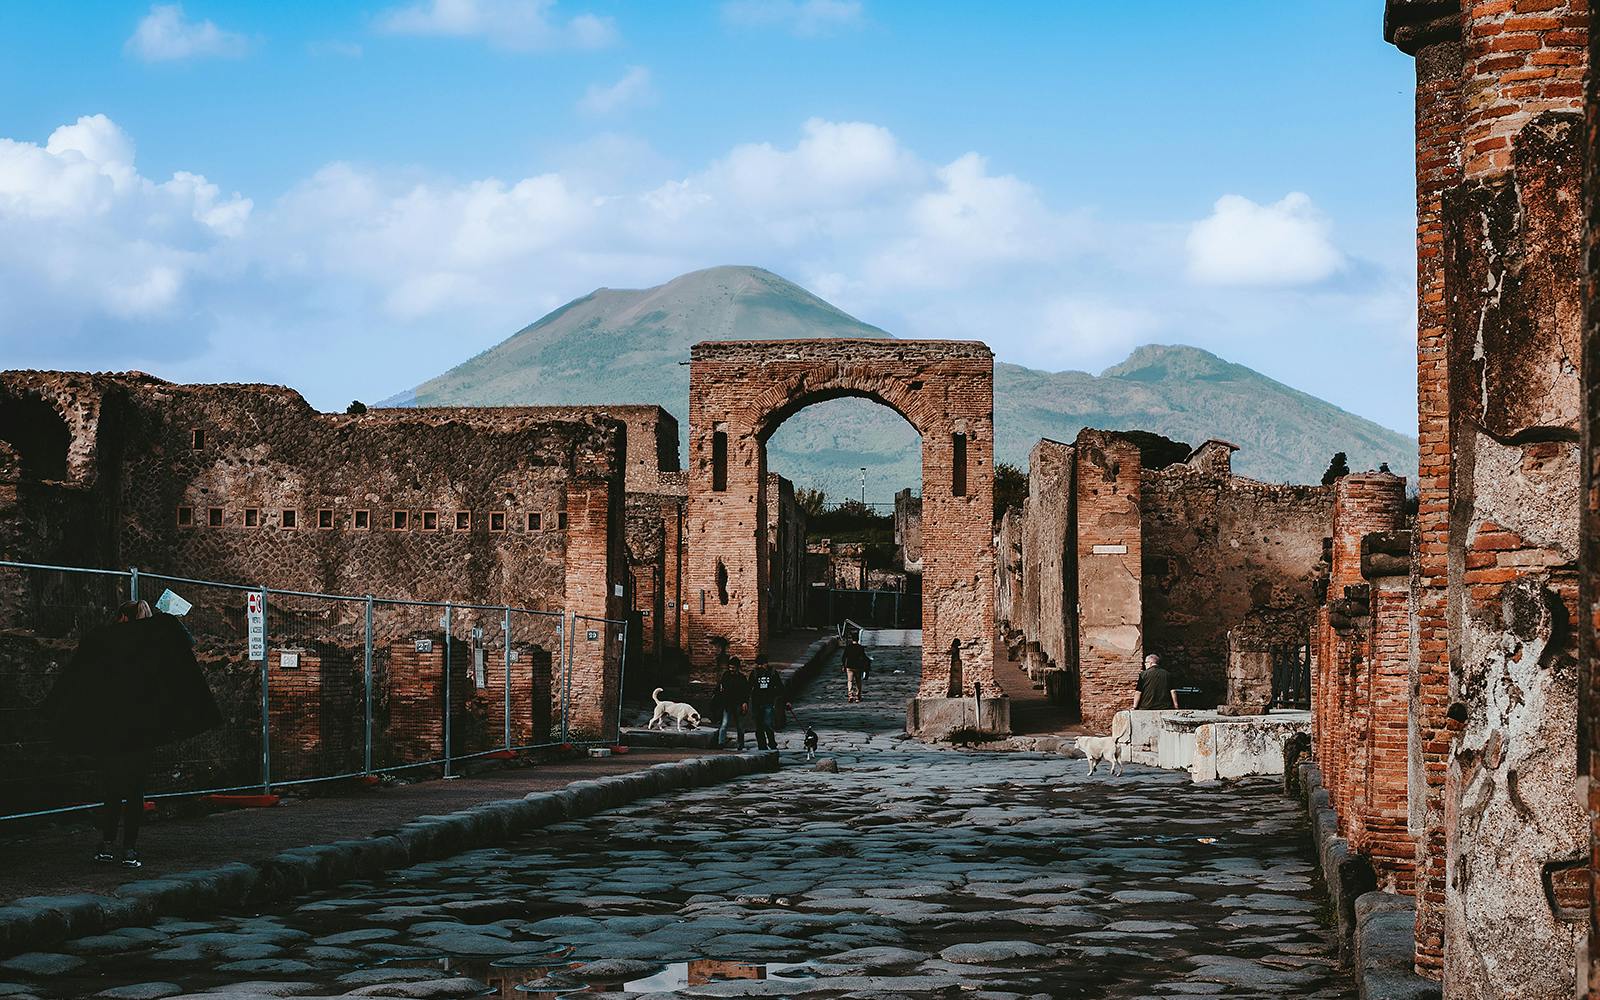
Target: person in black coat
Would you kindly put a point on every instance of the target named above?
(766, 694)
(731, 701)
(132, 686)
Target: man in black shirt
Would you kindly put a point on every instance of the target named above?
(731, 700)
(766, 691)
(1153, 689)
(855, 668)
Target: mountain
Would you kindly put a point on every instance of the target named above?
(628, 346)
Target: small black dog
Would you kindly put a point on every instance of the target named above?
(811, 743)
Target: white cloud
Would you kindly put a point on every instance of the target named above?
(1077, 330)
(165, 35)
(804, 18)
(511, 24)
(343, 50)
(1243, 243)
(633, 90)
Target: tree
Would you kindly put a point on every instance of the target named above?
(1010, 488)
(356, 408)
(1338, 466)
(812, 501)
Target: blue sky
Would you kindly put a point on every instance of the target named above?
(349, 198)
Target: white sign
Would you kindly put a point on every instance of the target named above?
(1110, 550)
(592, 635)
(255, 627)
(288, 660)
(478, 674)
(616, 588)
(172, 604)
(424, 645)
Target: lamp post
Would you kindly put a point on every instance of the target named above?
(863, 486)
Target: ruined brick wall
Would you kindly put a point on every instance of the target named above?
(1048, 593)
(740, 391)
(652, 438)
(1381, 823)
(248, 484)
(908, 530)
(1225, 554)
(1500, 155)
(1008, 573)
(786, 559)
(1107, 559)
(1589, 624)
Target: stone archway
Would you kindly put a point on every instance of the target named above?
(741, 391)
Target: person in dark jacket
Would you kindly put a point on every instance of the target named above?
(130, 687)
(856, 664)
(1153, 688)
(766, 694)
(732, 700)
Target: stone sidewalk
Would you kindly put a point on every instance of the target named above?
(53, 859)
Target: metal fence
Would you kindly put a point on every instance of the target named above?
(312, 687)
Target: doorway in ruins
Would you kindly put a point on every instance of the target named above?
(741, 392)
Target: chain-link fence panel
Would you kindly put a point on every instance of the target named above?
(596, 652)
(408, 684)
(44, 613)
(537, 660)
(316, 686)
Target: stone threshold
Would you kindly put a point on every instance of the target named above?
(40, 921)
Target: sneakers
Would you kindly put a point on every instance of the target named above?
(130, 859)
(105, 855)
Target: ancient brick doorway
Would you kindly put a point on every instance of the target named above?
(742, 391)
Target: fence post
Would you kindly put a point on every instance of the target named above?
(566, 676)
(366, 671)
(266, 723)
(133, 583)
(505, 709)
(447, 625)
(622, 673)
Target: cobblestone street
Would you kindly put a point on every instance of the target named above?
(912, 871)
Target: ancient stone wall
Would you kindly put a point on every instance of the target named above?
(1226, 555)
(1048, 594)
(908, 530)
(1589, 624)
(786, 555)
(741, 391)
(1107, 558)
(248, 484)
(1500, 153)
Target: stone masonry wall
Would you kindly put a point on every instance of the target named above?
(1589, 624)
(1225, 554)
(1106, 526)
(740, 391)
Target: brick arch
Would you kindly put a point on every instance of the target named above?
(740, 392)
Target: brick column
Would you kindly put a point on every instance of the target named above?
(1511, 258)
(1382, 833)
(1106, 484)
(958, 557)
(595, 571)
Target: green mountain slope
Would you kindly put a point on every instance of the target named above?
(628, 346)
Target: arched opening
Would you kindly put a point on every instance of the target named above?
(844, 497)
(38, 434)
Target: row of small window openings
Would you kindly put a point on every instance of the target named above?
(401, 520)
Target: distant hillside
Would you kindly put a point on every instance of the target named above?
(628, 346)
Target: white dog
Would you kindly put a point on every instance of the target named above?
(678, 711)
(1099, 748)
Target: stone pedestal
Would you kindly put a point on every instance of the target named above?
(937, 718)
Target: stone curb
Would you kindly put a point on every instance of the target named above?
(1376, 930)
(37, 922)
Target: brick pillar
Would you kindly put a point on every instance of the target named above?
(672, 573)
(1432, 33)
(1382, 833)
(295, 716)
(1589, 624)
(415, 729)
(958, 557)
(596, 566)
(1107, 526)
(1511, 258)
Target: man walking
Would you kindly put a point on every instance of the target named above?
(855, 667)
(766, 692)
(732, 699)
(1153, 689)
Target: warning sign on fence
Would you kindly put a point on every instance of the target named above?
(256, 626)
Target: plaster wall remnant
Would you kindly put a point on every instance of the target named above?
(741, 391)
(1500, 158)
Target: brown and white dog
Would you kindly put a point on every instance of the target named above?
(1099, 748)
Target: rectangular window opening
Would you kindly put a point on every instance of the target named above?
(325, 518)
(561, 520)
(185, 517)
(401, 520)
(535, 522)
(214, 517)
(430, 520)
(363, 520)
(958, 465)
(290, 519)
(463, 520)
(252, 517)
(197, 439)
(719, 461)
(497, 521)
